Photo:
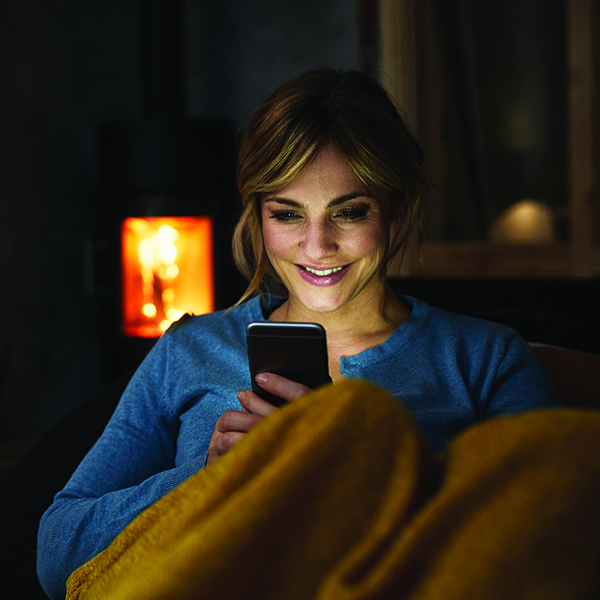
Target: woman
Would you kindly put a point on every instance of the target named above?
(330, 179)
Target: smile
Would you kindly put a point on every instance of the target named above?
(323, 273)
(323, 277)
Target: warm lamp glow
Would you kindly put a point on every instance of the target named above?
(526, 222)
(167, 271)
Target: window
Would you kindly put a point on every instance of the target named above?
(502, 97)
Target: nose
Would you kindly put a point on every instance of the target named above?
(318, 240)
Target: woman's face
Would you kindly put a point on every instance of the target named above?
(325, 235)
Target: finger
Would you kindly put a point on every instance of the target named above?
(254, 404)
(235, 420)
(221, 443)
(227, 440)
(230, 427)
(281, 387)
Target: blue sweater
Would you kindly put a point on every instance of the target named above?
(449, 371)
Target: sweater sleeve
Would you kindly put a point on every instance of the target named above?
(517, 383)
(130, 467)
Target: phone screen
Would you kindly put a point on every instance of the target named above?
(297, 351)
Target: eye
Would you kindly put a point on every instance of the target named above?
(284, 216)
(352, 213)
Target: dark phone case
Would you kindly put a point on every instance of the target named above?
(297, 351)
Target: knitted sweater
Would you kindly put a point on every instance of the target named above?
(450, 371)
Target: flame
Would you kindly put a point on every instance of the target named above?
(167, 271)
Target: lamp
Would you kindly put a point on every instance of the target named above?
(525, 222)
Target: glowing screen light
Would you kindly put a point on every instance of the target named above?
(167, 271)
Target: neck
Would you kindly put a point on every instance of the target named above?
(347, 326)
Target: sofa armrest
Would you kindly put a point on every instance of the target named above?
(575, 375)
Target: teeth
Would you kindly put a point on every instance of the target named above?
(325, 272)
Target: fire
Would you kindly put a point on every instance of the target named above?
(167, 271)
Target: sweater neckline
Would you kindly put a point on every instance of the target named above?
(265, 304)
(402, 336)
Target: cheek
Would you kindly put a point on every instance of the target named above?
(276, 241)
(371, 240)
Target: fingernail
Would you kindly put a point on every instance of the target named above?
(261, 378)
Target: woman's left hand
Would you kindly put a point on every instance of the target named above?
(275, 384)
(232, 425)
(281, 387)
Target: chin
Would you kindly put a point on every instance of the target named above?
(322, 303)
(328, 299)
(323, 307)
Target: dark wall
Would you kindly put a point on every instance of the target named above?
(239, 51)
(65, 67)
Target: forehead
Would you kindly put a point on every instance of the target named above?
(327, 176)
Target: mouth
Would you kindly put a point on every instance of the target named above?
(322, 273)
(322, 277)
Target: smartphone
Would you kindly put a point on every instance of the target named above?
(297, 351)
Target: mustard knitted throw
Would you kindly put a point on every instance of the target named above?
(338, 497)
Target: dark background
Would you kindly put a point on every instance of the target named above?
(66, 67)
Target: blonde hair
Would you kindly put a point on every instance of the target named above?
(350, 110)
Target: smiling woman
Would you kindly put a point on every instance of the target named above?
(325, 237)
(330, 180)
(351, 115)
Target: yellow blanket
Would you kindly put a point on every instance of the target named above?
(338, 497)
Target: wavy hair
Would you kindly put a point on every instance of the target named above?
(324, 106)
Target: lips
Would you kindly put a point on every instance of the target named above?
(322, 277)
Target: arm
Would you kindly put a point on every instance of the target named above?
(130, 467)
(134, 463)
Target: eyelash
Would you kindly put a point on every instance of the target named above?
(284, 216)
(354, 213)
(347, 215)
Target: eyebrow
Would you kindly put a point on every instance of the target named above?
(334, 202)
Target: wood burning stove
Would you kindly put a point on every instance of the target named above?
(167, 271)
(166, 198)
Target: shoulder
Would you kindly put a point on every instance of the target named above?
(218, 323)
(194, 342)
(471, 343)
(502, 370)
(212, 333)
(457, 328)
(193, 351)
